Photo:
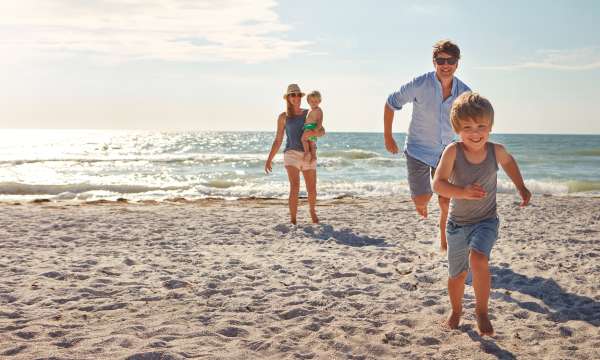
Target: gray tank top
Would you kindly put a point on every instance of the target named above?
(294, 127)
(465, 212)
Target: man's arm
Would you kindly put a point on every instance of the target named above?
(443, 187)
(388, 120)
(510, 167)
(395, 101)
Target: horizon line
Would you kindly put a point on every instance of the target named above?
(268, 131)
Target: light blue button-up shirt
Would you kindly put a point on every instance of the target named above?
(430, 130)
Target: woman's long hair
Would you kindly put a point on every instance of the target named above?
(290, 107)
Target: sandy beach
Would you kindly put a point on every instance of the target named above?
(218, 279)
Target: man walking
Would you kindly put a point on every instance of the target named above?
(429, 131)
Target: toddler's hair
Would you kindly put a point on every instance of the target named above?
(470, 106)
(314, 94)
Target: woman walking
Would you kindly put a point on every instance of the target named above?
(292, 123)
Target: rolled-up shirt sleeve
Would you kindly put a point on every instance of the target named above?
(406, 94)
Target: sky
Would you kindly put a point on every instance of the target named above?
(225, 64)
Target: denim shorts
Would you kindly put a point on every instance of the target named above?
(480, 237)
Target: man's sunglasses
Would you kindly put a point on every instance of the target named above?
(449, 61)
(295, 95)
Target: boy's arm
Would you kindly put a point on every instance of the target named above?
(443, 187)
(509, 164)
(320, 119)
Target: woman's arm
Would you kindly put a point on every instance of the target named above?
(276, 143)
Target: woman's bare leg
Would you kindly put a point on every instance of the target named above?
(310, 178)
(294, 177)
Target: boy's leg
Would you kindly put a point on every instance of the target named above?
(306, 148)
(481, 241)
(313, 150)
(456, 291)
(481, 286)
(444, 206)
(458, 265)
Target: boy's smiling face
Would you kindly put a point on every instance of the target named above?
(475, 132)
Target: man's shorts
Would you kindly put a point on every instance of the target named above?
(480, 237)
(419, 176)
(295, 159)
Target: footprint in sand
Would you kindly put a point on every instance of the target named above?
(428, 341)
(294, 313)
(175, 284)
(14, 351)
(396, 339)
(282, 228)
(67, 343)
(259, 345)
(232, 331)
(54, 275)
(154, 356)
(27, 335)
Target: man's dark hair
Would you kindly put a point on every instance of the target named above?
(446, 46)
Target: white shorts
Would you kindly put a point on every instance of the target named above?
(295, 159)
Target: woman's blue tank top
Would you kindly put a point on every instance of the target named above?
(294, 127)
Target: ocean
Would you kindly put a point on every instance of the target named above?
(84, 165)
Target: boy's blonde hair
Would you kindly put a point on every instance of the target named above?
(470, 106)
(314, 94)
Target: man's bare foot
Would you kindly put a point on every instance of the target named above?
(453, 320)
(422, 210)
(313, 216)
(484, 325)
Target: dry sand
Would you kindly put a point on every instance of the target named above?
(233, 280)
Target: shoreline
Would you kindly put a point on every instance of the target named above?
(275, 200)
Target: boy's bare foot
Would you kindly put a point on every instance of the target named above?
(453, 320)
(313, 216)
(293, 221)
(443, 245)
(484, 325)
(422, 210)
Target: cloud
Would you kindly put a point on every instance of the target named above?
(567, 60)
(248, 31)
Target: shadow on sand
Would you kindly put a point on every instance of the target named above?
(488, 346)
(343, 236)
(560, 306)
